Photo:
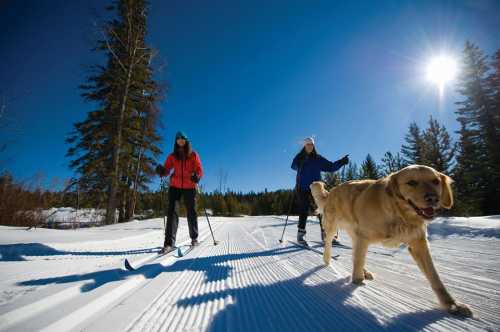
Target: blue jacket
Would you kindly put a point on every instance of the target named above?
(309, 169)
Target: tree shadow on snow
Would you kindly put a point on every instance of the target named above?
(293, 305)
(445, 229)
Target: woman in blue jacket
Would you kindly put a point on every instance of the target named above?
(309, 165)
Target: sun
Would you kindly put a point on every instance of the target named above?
(441, 70)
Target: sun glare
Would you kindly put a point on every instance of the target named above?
(441, 70)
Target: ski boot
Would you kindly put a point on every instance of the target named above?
(194, 243)
(300, 237)
(166, 249)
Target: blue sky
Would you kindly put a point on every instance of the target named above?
(247, 79)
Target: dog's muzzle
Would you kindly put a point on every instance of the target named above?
(426, 213)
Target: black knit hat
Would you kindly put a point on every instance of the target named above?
(182, 135)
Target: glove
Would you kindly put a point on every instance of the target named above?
(195, 178)
(160, 170)
(345, 160)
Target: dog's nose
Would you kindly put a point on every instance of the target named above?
(431, 198)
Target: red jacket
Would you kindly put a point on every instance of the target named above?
(183, 169)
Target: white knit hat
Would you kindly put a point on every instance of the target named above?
(309, 140)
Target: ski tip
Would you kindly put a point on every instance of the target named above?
(128, 266)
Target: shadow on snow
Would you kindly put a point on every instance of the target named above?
(290, 304)
(213, 267)
(15, 252)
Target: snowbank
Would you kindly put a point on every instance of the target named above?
(487, 226)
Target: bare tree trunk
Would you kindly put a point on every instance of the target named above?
(113, 186)
(123, 206)
(134, 194)
(133, 59)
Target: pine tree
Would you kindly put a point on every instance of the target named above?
(352, 172)
(115, 147)
(439, 151)
(494, 83)
(392, 163)
(413, 151)
(494, 145)
(232, 205)
(469, 181)
(369, 169)
(218, 204)
(475, 113)
(331, 180)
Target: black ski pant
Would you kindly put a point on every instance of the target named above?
(174, 196)
(305, 202)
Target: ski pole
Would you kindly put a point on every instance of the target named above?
(291, 202)
(210, 227)
(288, 214)
(163, 186)
(208, 220)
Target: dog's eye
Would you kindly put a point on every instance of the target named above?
(412, 183)
(435, 182)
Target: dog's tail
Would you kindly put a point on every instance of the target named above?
(320, 195)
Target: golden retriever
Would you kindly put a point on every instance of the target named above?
(390, 211)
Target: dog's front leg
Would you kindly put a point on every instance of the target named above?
(360, 248)
(419, 250)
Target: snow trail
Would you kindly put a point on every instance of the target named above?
(248, 282)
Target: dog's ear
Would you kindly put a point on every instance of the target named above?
(446, 193)
(392, 186)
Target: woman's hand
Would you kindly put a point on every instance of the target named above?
(161, 171)
(195, 178)
(345, 160)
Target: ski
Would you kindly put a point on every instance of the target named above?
(187, 250)
(179, 251)
(141, 262)
(308, 247)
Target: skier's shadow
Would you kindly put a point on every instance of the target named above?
(17, 252)
(214, 267)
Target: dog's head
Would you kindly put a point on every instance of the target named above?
(422, 188)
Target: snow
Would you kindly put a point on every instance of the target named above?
(57, 280)
(65, 217)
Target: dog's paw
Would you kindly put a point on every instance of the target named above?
(369, 275)
(460, 309)
(358, 281)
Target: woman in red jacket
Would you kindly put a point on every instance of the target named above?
(187, 173)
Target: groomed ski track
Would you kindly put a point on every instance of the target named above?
(251, 282)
